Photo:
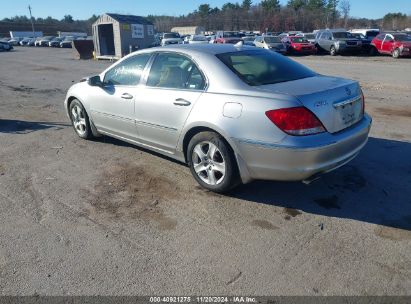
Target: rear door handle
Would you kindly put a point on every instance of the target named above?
(127, 96)
(182, 102)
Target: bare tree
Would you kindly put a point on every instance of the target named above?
(345, 7)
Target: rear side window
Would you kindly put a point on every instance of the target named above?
(175, 71)
(264, 67)
(128, 72)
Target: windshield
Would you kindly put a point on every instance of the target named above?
(272, 39)
(342, 35)
(402, 38)
(248, 38)
(171, 35)
(262, 67)
(299, 40)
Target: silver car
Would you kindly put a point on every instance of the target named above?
(232, 113)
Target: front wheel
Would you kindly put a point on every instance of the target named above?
(212, 163)
(80, 120)
(396, 54)
(333, 51)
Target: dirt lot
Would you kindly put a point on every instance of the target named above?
(104, 217)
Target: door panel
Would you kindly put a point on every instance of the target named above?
(112, 111)
(112, 106)
(161, 114)
(174, 84)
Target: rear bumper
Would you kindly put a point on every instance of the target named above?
(299, 158)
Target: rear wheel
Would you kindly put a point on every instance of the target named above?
(211, 162)
(80, 120)
(396, 54)
(333, 51)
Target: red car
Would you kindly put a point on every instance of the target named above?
(299, 45)
(228, 37)
(395, 44)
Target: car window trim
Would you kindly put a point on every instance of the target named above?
(151, 62)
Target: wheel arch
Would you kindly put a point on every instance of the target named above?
(192, 131)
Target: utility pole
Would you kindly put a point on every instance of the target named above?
(31, 19)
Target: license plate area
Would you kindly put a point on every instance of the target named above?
(349, 111)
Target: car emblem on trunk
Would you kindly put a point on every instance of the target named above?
(348, 91)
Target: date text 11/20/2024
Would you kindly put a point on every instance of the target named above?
(202, 300)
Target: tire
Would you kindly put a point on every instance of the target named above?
(333, 51)
(80, 120)
(396, 54)
(212, 162)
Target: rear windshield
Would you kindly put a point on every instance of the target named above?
(299, 40)
(402, 38)
(171, 35)
(257, 67)
(372, 33)
(342, 35)
(272, 39)
(231, 35)
(310, 36)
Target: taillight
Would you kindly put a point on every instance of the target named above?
(298, 121)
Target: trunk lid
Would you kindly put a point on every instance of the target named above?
(337, 102)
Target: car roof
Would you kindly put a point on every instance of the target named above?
(212, 49)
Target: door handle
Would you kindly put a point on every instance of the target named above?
(127, 96)
(182, 102)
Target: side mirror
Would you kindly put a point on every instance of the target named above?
(95, 81)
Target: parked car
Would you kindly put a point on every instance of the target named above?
(43, 41)
(229, 37)
(55, 42)
(395, 44)
(249, 40)
(26, 40)
(370, 34)
(310, 37)
(5, 46)
(15, 41)
(337, 42)
(67, 42)
(273, 43)
(31, 42)
(299, 45)
(366, 42)
(289, 123)
(171, 38)
(197, 39)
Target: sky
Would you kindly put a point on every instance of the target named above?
(83, 9)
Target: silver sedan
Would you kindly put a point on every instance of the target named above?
(232, 113)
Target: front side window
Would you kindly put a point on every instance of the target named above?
(262, 67)
(128, 72)
(175, 71)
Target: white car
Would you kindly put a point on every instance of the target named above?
(171, 38)
(197, 39)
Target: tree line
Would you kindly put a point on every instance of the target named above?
(270, 15)
(266, 15)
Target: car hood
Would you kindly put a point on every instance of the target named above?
(320, 94)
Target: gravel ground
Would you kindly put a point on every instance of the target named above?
(103, 217)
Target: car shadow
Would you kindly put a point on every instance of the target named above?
(373, 188)
(25, 127)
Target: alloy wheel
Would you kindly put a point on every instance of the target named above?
(209, 163)
(79, 120)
